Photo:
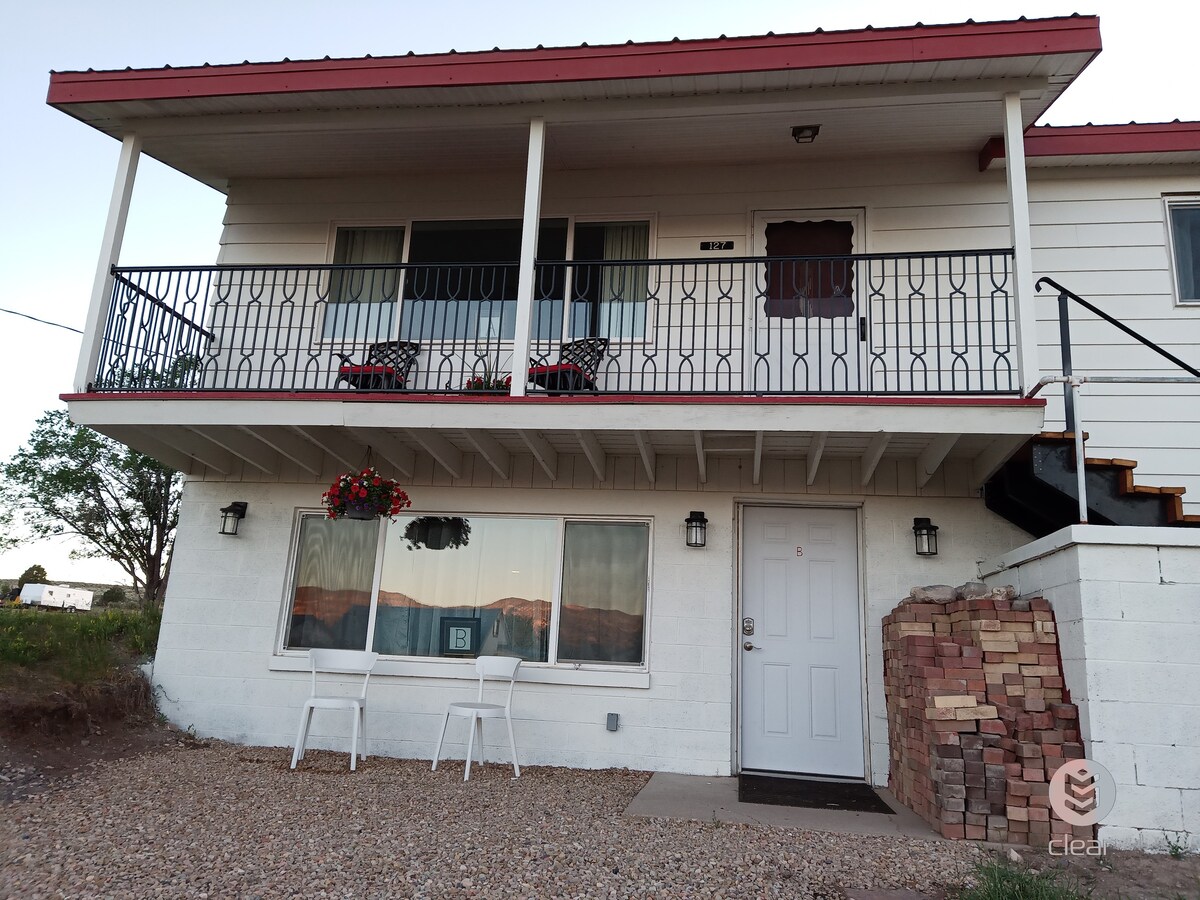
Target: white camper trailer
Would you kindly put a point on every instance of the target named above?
(68, 598)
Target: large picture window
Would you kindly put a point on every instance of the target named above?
(546, 589)
(1183, 220)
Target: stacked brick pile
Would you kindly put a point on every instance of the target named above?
(978, 717)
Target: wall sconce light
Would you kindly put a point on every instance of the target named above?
(925, 533)
(805, 134)
(697, 528)
(231, 517)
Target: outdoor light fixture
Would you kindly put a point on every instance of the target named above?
(231, 516)
(697, 528)
(805, 134)
(925, 533)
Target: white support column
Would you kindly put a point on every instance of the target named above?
(1022, 241)
(529, 236)
(110, 252)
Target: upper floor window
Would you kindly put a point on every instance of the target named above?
(1183, 221)
(458, 281)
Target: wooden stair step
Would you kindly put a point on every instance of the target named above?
(1116, 462)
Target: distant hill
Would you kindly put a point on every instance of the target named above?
(584, 634)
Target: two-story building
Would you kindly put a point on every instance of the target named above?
(671, 343)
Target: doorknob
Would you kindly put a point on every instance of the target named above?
(749, 646)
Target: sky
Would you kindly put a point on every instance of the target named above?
(58, 173)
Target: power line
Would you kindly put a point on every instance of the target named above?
(36, 319)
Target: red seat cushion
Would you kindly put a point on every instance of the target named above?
(556, 369)
(367, 372)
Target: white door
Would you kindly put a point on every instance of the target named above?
(801, 672)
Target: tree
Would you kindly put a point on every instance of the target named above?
(69, 479)
(35, 574)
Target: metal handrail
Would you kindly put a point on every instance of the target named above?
(117, 276)
(1064, 338)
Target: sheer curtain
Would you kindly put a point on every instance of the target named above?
(335, 568)
(623, 287)
(362, 302)
(605, 567)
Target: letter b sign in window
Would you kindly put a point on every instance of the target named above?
(459, 637)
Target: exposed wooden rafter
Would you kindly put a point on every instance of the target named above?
(594, 452)
(986, 464)
(388, 447)
(545, 455)
(816, 450)
(701, 459)
(444, 453)
(336, 442)
(933, 456)
(646, 449)
(492, 451)
(873, 454)
(246, 448)
(289, 445)
(139, 440)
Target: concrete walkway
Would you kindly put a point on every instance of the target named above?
(709, 799)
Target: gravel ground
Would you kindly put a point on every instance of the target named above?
(218, 820)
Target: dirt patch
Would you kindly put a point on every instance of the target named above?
(1124, 874)
(48, 732)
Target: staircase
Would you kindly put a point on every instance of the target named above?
(1037, 490)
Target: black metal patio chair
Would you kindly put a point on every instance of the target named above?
(578, 362)
(386, 367)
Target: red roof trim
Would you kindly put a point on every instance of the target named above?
(912, 44)
(602, 399)
(1100, 140)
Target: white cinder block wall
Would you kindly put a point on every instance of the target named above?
(1127, 602)
(217, 670)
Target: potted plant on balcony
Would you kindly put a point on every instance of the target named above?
(489, 380)
(364, 495)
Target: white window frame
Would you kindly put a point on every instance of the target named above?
(1175, 201)
(650, 218)
(551, 671)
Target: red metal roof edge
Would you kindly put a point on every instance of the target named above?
(710, 56)
(1100, 140)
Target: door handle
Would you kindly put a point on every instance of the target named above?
(749, 646)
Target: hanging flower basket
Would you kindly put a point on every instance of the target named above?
(364, 495)
(437, 532)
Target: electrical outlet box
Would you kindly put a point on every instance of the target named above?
(614, 722)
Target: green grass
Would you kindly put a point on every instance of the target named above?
(76, 649)
(1000, 881)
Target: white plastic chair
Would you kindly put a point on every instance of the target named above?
(340, 662)
(497, 667)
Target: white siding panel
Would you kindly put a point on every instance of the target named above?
(1100, 232)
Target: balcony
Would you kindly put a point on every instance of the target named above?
(880, 324)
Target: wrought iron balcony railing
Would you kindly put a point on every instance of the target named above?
(933, 323)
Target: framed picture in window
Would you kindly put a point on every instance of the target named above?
(459, 637)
